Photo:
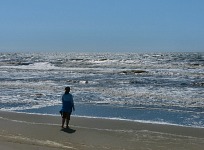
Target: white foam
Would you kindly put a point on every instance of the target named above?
(139, 121)
(35, 66)
(38, 142)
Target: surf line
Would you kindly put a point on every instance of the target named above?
(36, 142)
(52, 124)
(98, 129)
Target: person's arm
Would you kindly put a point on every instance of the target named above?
(62, 99)
(73, 104)
(62, 104)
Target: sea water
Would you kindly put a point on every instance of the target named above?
(148, 87)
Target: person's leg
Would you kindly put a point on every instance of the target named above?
(67, 120)
(64, 116)
(63, 121)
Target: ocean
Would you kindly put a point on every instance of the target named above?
(161, 88)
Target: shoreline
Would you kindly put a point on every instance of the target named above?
(154, 116)
(44, 132)
(114, 118)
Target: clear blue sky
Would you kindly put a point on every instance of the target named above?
(102, 25)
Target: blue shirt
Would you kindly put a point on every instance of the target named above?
(67, 103)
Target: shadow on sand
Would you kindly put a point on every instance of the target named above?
(68, 130)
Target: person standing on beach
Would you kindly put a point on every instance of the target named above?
(67, 107)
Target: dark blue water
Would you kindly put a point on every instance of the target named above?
(151, 87)
(161, 116)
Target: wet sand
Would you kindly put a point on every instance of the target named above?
(20, 131)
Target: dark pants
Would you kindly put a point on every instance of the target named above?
(66, 115)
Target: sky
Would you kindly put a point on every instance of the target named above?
(102, 25)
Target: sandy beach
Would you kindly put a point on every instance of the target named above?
(22, 131)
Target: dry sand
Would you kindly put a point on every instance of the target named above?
(19, 131)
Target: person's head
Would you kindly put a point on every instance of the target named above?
(67, 89)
